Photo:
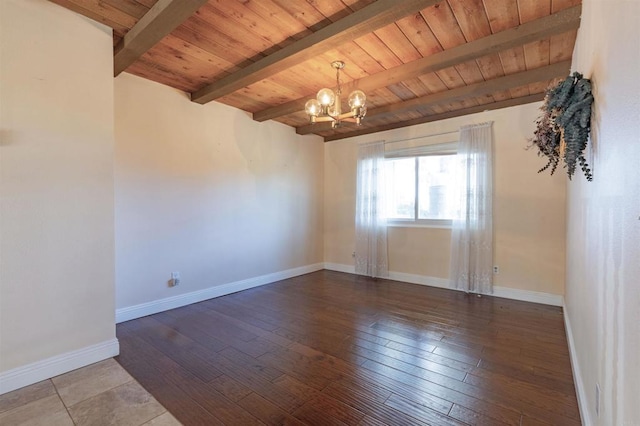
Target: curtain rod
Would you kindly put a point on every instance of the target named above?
(422, 137)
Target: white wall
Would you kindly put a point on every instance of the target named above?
(529, 208)
(56, 185)
(208, 192)
(603, 238)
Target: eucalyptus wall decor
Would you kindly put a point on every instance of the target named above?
(563, 128)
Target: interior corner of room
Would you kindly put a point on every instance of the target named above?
(112, 188)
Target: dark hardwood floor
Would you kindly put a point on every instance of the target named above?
(329, 348)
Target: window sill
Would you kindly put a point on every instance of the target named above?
(444, 224)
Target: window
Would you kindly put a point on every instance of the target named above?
(420, 189)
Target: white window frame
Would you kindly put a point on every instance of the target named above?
(449, 148)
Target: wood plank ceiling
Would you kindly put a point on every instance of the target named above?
(417, 60)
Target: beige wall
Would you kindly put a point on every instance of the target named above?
(56, 183)
(208, 192)
(603, 239)
(529, 208)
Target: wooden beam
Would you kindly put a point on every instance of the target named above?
(364, 21)
(561, 69)
(558, 23)
(436, 117)
(159, 21)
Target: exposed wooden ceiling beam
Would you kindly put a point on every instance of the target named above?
(364, 21)
(159, 21)
(563, 21)
(436, 117)
(488, 87)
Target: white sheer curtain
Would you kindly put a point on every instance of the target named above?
(371, 227)
(472, 229)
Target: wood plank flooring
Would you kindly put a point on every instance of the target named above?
(329, 348)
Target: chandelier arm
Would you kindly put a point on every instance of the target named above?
(349, 114)
(324, 118)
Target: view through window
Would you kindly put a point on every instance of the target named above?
(420, 189)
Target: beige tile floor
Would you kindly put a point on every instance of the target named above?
(99, 394)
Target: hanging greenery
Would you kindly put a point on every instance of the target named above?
(563, 128)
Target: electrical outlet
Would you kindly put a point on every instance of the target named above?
(353, 254)
(496, 270)
(597, 400)
(175, 279)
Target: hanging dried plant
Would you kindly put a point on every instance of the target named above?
(562, 131)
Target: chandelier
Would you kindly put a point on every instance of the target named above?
(328, 107)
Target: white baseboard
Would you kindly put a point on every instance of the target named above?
(149, 308)
(506, 292)
(528, 296)
(340, 267)
(585, 416)
(59, 364)
(419, 279)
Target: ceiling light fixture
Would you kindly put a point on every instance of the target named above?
(328, 107)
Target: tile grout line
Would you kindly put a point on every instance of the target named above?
(159, 415)
(133, 379)
(63, 403)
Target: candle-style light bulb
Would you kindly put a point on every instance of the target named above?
(313, 107)
(326, 97)
(357, 99)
